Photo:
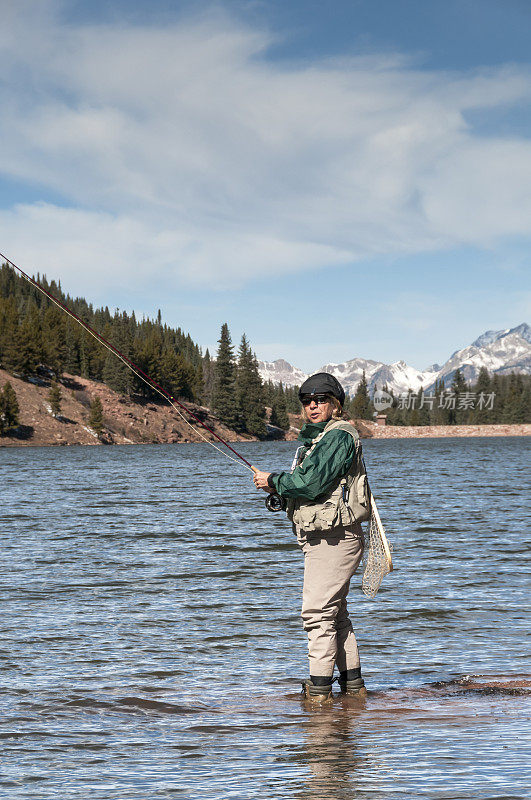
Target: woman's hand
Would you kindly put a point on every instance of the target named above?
(260, 480)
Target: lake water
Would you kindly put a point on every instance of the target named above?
(152, 646)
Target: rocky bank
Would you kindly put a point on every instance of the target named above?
(126, 421)
(133, 421)
(370, 430)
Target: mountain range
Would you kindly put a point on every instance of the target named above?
(499, 351)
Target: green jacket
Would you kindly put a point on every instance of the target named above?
(331, 460)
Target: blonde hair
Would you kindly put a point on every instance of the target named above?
(337, 413)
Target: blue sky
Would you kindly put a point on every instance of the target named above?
(335, 179)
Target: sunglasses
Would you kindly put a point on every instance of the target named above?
(320, 399)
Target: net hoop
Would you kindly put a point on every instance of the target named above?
(377, 559)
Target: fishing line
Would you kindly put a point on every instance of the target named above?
(176, 405)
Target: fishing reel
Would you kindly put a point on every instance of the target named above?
(274, 502)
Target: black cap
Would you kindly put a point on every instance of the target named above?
(322, 383)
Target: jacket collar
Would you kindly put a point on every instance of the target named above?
(310, 431)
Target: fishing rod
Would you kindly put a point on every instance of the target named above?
(273, 501)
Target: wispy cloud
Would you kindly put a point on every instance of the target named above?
(182, 152)
(413, 311)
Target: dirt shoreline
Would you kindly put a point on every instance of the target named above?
(126, 421)
(142, 422)
(371, 430)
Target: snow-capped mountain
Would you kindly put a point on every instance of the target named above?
(522, 330)
(280, 371)
(398, 376)
(499, 351)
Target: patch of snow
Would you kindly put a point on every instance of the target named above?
(487, 338)
(523, 330)
(89, 430)
(281, 371)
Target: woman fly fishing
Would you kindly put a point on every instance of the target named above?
(327, 496)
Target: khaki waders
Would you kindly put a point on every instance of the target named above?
(330, 561)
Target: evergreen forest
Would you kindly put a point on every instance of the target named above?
(37, 335)
(496, 399)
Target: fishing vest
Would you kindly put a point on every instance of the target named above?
(349, 501)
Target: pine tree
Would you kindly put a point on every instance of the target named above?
(29, 340)
(481, 415)
(177, 375)
(208, 378)
(291, 394)
(360, 407)
(148, 354)
(95, 419)
(9, 323)
(521, 410)
(437, 414)
(459, 386)
(414, 417)
(271, 393)
(512, 406)
(72, 360)
(116, 374)
(198, 384)
(53, 337)
(54, 398)
(83, 356)
(497, 389)
(279, 413)
(249, 401)
(223, 392)
(525, 403)
(9, 408)
(423, 414)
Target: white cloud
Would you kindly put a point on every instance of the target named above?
(184, 153)
(481, 193)
(87, 249)
(101, 249)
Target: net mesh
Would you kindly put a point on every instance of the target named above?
(377, 561)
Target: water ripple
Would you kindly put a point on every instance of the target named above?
(151, 642)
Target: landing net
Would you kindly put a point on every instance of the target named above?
(377, 562)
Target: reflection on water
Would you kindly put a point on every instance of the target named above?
(152, 645)
(334, 759)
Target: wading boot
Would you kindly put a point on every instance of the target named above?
(317, 692)
(355, 687)
(351, 683)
